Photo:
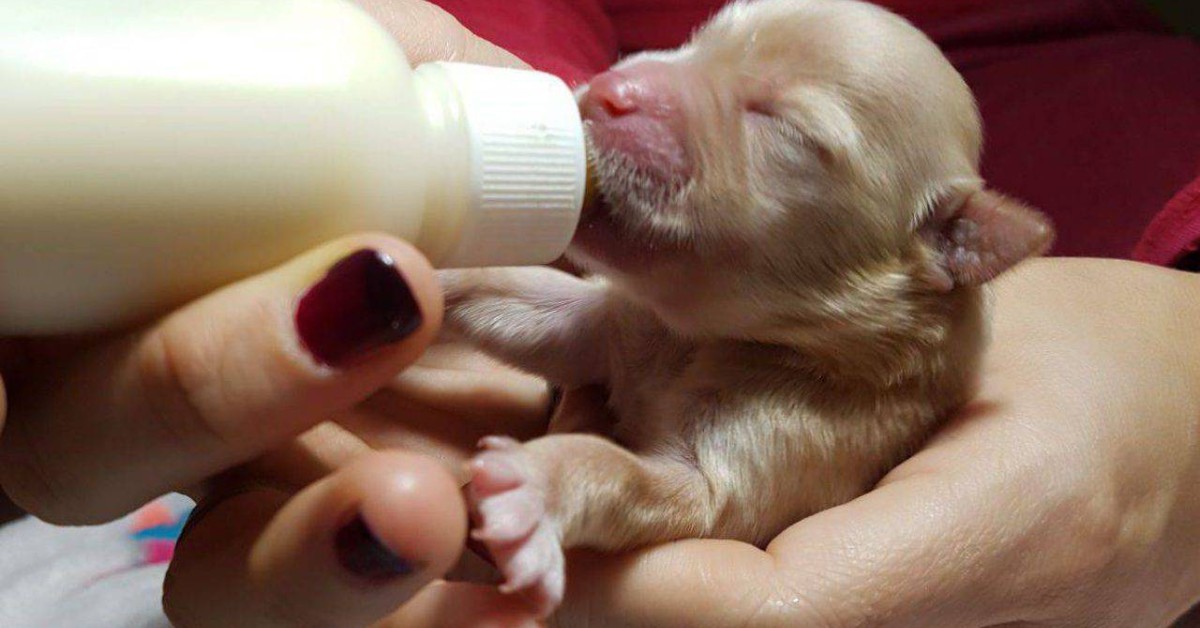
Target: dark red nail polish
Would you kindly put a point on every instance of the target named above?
(361, 553)
(362, 304)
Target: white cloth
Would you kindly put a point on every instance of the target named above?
(84, 577)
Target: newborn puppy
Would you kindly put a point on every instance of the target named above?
(785, 299)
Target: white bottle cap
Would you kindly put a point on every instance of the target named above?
(528, 161)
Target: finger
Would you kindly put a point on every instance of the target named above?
(347, 551)
(959, 549)
(12, 357)
(716, 583)
(219, 381)
(819, 572)
(695, 583)
(457, 604)
(207, 582)
(438, 36)
(451, 398)
(3, 404)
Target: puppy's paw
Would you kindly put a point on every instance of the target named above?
(508, 495)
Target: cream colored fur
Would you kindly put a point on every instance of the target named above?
(784, 334)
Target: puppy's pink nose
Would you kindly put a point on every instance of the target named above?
(649, 88)
(637, 110)
(609, 95)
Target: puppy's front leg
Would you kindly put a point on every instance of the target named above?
(538, 319)
(575, 490)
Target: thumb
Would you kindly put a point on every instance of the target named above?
(221, 380)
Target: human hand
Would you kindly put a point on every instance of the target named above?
(310, 531)
(1063, 495)
(283, 540)
(1066, 494)
(97, 426)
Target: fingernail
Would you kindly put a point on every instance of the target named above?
(361, 553)
(363, 303)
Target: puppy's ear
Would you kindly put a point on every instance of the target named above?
(974, 241)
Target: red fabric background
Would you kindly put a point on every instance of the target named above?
(1092, 111)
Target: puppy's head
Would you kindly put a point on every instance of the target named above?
(793, 154)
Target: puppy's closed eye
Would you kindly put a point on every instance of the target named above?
(791, 243)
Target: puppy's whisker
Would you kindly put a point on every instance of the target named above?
(787, 298)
